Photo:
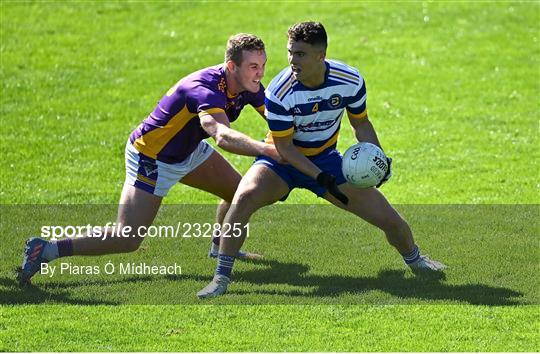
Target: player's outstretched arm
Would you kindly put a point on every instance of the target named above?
(218, 127)
(364, 131)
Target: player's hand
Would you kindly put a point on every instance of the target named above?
(328, 181)
(388, 172)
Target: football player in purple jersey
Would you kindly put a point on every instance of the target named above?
(169, 147)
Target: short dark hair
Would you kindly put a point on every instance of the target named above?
(310, 32)
(240, 42)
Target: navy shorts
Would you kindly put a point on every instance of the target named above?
(328, 161)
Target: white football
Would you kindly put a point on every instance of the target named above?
(364, 165)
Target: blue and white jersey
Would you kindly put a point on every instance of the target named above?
(313, 116)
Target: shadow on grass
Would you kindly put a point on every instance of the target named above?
(423, 286)
(57, 292)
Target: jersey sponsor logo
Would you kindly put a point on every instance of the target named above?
(316, 98)
(237, 101)
(316, 126)
(335, 100)
(297, 110)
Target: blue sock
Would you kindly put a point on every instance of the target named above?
(413, 256)
(224, 265)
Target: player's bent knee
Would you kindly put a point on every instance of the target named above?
(248, 197)
(244, 196)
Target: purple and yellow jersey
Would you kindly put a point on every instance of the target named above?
(173, 130)
(313, 116)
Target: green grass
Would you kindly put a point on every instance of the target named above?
(453, 92)
(257, 328)
(453, 99)
(348, 265)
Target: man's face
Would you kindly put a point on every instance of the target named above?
(250, 72)
(305, 60)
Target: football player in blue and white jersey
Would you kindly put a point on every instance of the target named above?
(305, 104)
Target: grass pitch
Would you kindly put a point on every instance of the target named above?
(453, 93)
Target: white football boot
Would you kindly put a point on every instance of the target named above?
(218, 286)
(426, 263)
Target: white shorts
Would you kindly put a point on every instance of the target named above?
(158, 177)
